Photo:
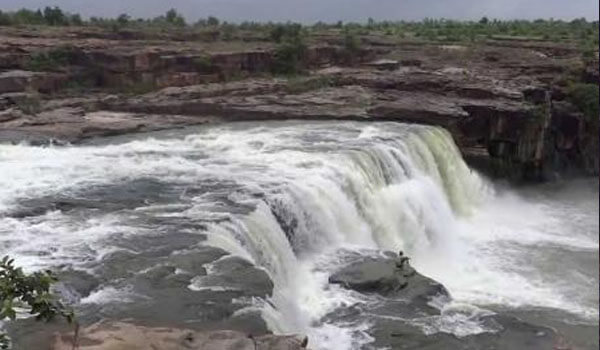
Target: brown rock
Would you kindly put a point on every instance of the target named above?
(10, 114)
(384, 64)
(120, 335)
(20, 81)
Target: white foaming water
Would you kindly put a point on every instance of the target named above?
(314, 189)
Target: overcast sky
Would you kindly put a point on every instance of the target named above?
(325, 10)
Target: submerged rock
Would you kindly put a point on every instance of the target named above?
(512, 334)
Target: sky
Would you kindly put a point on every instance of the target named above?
(308, 11)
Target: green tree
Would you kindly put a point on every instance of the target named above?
(25, 16)
(212, 21)
(55, 16)
(5, 19)
(123, 19)
(291, 52)
(76, 20)
(371, 23)
(586, 97)
(29, 291)
(174, 18)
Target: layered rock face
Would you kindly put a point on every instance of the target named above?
(504, 102)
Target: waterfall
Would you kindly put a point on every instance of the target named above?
(383, 190)
(294, 198)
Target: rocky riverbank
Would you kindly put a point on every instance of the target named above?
(505, 102)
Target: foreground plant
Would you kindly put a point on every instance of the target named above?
(30, 292)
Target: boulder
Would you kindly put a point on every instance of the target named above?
(381, 276)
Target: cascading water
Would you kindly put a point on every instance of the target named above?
(291, 198)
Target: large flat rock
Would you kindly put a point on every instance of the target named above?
(120, 335)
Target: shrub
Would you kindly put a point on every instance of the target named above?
(227, 31)
(50, 60)
(212, 21)
(289, 56)
(351, 45)
(123, 19)
(202, 64)
(286, 32)
(586, 98)
(30, 291)
(25, 16)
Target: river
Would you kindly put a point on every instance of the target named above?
(293, 199)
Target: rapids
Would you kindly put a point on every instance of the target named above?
(292, 198)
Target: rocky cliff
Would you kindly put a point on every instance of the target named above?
(506, 103)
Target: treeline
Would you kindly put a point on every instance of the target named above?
(52, 16)
(580, 30)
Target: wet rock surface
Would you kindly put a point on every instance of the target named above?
(413, 313)
(511, 333)
(160, 289)
(383, 276)
(163, 275)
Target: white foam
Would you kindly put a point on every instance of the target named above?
(110, 295)
(333, 186)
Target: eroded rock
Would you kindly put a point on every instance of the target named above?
(121, 335)
(20, 81)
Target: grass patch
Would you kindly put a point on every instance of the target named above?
(298, 85)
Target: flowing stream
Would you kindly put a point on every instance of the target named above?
(295, 198)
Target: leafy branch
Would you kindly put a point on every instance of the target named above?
(31, 292)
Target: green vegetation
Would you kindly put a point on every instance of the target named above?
(291, 49)
(291, 40)
(51, 60)
(29, 292)
(351, 45)
(171, 19)
(286, 32)
(580, 31)
(298, 85)
(586, 97)
(174, 18)
(203, 64)
(52, 16)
